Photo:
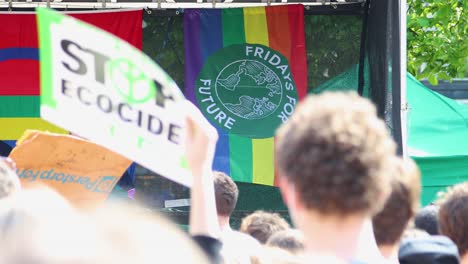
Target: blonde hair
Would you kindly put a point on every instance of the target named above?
(41, 227)
(149, 238)
(262, 225)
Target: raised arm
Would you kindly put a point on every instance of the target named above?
(201, 141)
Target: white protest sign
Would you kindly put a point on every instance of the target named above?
(103, 89)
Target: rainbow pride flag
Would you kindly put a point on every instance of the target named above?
(19, 68)
(19, 85)
(262, 83)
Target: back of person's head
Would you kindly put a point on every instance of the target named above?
(426, 219)
(131, 235)
(402, 204)
(226, 193)
(9, 181)
(41, 227)
(333, 153)
(453, 216)
(290, 240)
(261, 225)
(429, 250)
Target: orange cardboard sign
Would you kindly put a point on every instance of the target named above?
(81, 171)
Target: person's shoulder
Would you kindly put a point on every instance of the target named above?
(238, 247)
(427, 249)
(233, 236)
(210, 246)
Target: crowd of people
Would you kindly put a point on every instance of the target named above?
(350, 197)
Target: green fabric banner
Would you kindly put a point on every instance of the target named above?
(437, 133)
(440, 172)
(437, 129)
(437, 125)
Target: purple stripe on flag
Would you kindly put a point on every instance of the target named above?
(5, 147)
(211, 40)
(193, 59)
(11, 143)
(211, 32)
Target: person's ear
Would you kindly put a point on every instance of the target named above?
(288, 192)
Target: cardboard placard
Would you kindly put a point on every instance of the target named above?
(81, 171)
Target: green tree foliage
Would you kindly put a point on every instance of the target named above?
(437, 39)
(163, 41)
(332, 46)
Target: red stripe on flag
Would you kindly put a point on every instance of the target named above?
(21, 76)
(126, 25)
(280, 40)
(278, 30)
(298, 49)
(286, 35)
(20, 30)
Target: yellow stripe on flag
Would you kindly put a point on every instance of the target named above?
(255, 26)
(263, 161)
(13, 128)
(256, 32)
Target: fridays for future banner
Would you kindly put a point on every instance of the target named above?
(103, 89)
(246, 69)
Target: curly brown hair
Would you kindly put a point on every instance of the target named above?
(261, 225)
(226, 193)
(390, 223)
(335, 151)
(453, 216)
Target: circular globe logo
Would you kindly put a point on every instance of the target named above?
(247, 90)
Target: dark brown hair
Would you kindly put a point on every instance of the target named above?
(453, 216)
(290, 240)
(226, 193)
(390, 223)
(334, 150)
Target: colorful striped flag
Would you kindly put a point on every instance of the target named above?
(19, 65)
(245, 68)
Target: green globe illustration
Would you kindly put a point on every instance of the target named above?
(249, 89)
